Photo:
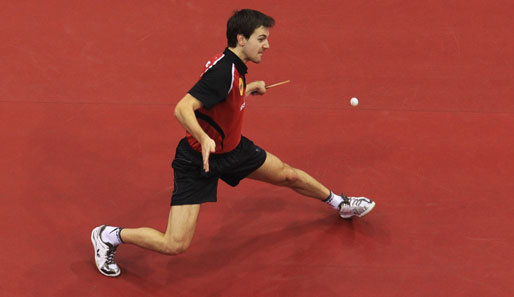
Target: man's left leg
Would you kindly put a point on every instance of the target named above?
(276, 172)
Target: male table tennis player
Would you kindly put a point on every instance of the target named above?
(212, 113)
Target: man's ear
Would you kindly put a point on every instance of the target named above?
(241, 39)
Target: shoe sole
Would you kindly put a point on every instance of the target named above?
(93, 241)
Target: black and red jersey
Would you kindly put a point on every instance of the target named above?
(221, 89)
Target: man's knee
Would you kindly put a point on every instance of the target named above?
(174, 248)
(290, 176)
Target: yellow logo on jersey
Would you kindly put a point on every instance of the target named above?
(241, 86)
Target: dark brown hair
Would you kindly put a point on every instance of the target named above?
(244, 22)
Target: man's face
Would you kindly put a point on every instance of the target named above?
(256, 44)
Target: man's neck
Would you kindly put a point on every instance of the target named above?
(238, 51)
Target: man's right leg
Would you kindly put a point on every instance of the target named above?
(181, 228)
(179, 233)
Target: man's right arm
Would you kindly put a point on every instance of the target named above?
(185, 114)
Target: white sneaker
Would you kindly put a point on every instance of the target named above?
(104, 254)
(355, 206)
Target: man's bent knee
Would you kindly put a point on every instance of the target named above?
(174, 248)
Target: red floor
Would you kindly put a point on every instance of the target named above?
(86, 100)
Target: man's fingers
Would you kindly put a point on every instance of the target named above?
(206, 161)
(206, 152)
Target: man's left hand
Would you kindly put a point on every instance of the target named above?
(256, 88)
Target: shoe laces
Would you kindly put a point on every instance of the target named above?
(346, 200)
(111, 252)
(345, 204)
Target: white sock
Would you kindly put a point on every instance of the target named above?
(334, 200)
(112, 235)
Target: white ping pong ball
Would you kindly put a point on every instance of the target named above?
(354, 101)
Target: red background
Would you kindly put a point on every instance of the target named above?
(87, 90)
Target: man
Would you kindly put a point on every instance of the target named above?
(213, 149)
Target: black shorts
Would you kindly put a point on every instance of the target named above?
(192, 185)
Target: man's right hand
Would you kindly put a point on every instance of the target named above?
(208, 147)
